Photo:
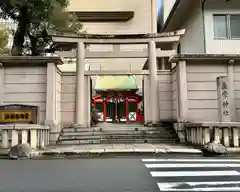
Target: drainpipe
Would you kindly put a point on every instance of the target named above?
(203, 19)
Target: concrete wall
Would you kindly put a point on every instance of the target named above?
(202, 91)
(165, 94)
(139, 24)
(26, 85)
(58, 95)
(174, 94)
(68, 98)
(236, 77)
(194, 34)
(220, 46)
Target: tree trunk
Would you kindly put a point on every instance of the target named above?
(18, 41)
(33, 47)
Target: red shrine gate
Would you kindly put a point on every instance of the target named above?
(118, 106)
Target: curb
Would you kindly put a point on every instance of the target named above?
(97, 153)
(106, 152)
(127, 152)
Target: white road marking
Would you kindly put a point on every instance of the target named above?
(164, 186)
(170, 188)
(209, 186)
(191, 160)
(192, 173)
(190, 165)
(204, 186)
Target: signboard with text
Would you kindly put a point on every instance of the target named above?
(16, 113)
(223, 99)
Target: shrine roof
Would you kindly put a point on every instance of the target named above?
(104, 83)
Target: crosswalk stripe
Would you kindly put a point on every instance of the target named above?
(202, 189)
(192, 173)
(194, 184)
(172, 186)
(191, 160)
(182, 177)
(190, 165)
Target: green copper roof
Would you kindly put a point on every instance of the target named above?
(116, 83)
(105, 82)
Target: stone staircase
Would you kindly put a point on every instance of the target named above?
(113, 133)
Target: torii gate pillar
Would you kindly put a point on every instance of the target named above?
(153, 81)
(80, 84)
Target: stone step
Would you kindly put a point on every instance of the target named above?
(107, 133)
(106, 125)
(112, 129)
(133, 136)
(113, 141)
(111, 132)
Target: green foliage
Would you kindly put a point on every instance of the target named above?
(3, 40)
(34, 18)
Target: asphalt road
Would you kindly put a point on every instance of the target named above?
(123, 174)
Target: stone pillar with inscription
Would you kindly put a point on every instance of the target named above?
(224, 108)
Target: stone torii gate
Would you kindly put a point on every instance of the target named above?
(159, 46)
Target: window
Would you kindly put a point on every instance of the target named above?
(226, 26)
(220, 26)
(235, 26)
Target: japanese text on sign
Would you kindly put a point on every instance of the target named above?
(225, 102)
(14, 116)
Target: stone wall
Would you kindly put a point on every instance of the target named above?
(174, 94)
(236, 76)
(58, 95)
(26, 85)
(165, 94)
(202, 90)
(68, 91)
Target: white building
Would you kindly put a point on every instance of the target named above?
(167, 5)
(212, 26)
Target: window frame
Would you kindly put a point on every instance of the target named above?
(228, 20)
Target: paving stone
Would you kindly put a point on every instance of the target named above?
(96, 151)
(146, 150)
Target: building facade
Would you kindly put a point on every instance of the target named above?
(167, 7)
(211, 25)
(212, 28)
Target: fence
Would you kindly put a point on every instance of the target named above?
(36, 135)
(226, 133)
